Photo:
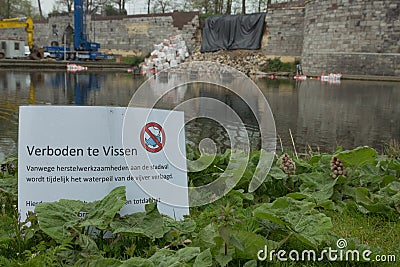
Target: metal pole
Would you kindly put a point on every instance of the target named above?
(94, 25)
(65, 47)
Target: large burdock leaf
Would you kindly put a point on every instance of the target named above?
(299, 218)
(381, 203)
(252, 263)
(205, 238)
(204, 259)
(226, 181)
(161, 256)
(363, 196)
(394, 165)
(98, 261)
(186, 226)
(9, 185)
(251, 243)
(277, 173)
(7, 229)
(319, 186)
(187, 254)
(358, 157)
(150, 223)
(59, 219)
(167, 258)
(101, 213)
(137, 262)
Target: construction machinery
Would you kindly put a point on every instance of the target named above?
(27, 23)
(83, 49)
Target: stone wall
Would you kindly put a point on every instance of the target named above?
(284, 29)
(132, 32)
(52, 29)
(352, 36)
(140, 32)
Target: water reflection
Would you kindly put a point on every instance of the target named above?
(19, 88)
(212, 105)
(323, 116)
(351, 113)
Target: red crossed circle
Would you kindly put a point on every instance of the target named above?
(159, 144)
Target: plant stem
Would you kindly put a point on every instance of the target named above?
(294, 146)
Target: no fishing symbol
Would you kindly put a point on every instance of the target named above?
(152, 137)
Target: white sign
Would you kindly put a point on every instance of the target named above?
(74, 152)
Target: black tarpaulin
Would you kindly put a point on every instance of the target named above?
(233, 32)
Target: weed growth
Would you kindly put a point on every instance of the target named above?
(300, 205)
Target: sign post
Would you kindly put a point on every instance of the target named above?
(78, 153)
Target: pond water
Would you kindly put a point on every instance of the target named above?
(320, 116)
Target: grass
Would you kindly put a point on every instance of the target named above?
(374, 231)
(134, 60)
(381, 235)
(276, 65)
(392, 150)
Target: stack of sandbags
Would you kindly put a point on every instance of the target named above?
(169, 53)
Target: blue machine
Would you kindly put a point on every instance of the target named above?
(83, 48)
(78, 87)
(81, 42)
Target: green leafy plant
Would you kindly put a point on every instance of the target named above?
(302, 208)
(134, 60)
(276, 65)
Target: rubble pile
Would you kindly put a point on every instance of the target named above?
(173, 51)
(169, 53)
(249, 62)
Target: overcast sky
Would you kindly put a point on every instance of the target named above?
(138, 8)
(133, 6)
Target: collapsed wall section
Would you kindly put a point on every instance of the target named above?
(140, 32)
